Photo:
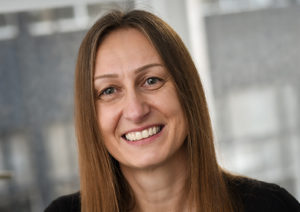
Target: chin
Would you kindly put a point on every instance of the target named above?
(145, 162)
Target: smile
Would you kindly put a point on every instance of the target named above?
(146, 133)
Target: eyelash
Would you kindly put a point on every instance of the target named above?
(103, 92)
(156, 79)
(150, 82)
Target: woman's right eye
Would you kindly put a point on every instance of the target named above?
(107, 93)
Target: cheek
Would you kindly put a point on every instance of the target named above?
(174, 111)
(171, 105)
(107, 119)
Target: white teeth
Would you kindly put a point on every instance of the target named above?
(145, 133)
(150, 131)
(134, 136)
(129, 136)
(138, 135)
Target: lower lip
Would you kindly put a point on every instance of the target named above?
(144, 141)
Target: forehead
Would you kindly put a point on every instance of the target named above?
(124, 38)
(125, 48)
(123, 33)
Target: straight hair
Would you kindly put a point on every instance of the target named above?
(103, 188)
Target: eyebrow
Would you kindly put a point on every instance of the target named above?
(138, 70)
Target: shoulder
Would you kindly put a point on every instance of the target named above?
(261, 196)
(67, 203)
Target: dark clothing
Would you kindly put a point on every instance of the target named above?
(255, 196)
(68, 203)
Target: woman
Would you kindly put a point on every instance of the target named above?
(144, 133)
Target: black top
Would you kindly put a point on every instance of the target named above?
(256, 196)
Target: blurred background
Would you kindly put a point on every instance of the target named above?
(247, 53)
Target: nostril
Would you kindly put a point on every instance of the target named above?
(136, 110)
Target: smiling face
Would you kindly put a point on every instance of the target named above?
(139, 114)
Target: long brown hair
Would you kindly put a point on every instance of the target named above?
(101, 180)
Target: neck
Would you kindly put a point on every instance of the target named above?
(161, 187)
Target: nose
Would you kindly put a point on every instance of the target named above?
(136, 108)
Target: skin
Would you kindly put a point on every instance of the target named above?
(134, 92)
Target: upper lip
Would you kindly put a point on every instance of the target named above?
(141, 128)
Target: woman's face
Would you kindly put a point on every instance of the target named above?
(139, 114)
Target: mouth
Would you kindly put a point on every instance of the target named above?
(145, 133)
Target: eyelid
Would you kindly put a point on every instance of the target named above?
(100, 95)
(155, 78)
(160, 82)
(105, 89)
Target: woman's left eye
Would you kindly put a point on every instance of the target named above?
(153, 83)
(152, 80)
